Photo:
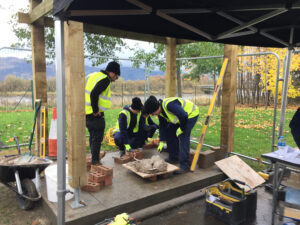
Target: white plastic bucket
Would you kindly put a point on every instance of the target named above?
(51, 181)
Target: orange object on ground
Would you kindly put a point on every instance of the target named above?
(53, 134)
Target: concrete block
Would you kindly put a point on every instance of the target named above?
(192, 153)
(220, 154)
(206, 159)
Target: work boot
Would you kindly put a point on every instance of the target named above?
(181, 171)
(171, 161)
(102, 154)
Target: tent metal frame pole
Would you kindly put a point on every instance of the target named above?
(285, 84)
(61, 126)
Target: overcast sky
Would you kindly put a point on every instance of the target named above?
(7, 37)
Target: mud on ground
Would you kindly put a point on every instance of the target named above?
(11, 214)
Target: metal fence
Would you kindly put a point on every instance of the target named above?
(253, 98)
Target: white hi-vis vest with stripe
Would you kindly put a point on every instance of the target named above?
(127, 114)
(104, 98)
(189, 107)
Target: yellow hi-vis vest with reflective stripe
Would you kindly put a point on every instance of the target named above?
(127, 114)
(104, 98)
(190, 108)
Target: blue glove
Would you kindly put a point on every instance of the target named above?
(179, 132)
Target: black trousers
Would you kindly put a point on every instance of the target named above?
(96, 126)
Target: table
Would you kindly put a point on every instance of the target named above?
(290, 160)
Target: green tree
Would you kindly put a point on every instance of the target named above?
(199, 66)
(95, 45)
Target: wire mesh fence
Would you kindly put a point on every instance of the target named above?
(253, 119)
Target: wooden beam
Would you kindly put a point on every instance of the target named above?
(89, 28)
(40, 10)
(94, 29)
(108, 12)
(75, 103)
(39, 72)
(171, 67)
(229, 99)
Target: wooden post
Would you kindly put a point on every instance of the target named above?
(171, 67)
(39, 72)
(75, 103)
(229, 98)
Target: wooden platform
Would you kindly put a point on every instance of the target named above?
(171, 168)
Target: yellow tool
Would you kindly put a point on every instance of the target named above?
(43, 132)
(211, 107)
(264, 175)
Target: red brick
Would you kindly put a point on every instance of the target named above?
(88, 168)
(105, 170)
(88, 163)
(98, 177)
(91, 187)
(91, 176)
(108, 180)
(122, 160)
(136, 154)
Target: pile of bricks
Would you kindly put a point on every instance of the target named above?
(129, 157)
(99, 177)
(89, 159)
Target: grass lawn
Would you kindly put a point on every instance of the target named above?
(252, 134)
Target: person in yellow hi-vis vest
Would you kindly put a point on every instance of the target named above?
(130, 130)
(97, 100)
(177, 117)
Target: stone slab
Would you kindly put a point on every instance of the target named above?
(129, 193)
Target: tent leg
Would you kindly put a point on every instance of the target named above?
(61, 127)
(77, 202)
(284, 91)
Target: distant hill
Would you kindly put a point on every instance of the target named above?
(23, 69)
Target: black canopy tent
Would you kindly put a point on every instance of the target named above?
(253, 23)
(265, 23)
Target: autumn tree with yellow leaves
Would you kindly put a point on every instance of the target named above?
(257, 76)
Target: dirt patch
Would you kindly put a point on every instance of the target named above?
(11, 214)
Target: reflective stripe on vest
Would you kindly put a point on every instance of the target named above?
(190, 108)
(104, 102)
(127, 114)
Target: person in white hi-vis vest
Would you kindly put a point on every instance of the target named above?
(97, 100)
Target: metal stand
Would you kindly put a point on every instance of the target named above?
(77, 202)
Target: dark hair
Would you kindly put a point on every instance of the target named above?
(136, 104)
(113, 67)
(151, 105)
